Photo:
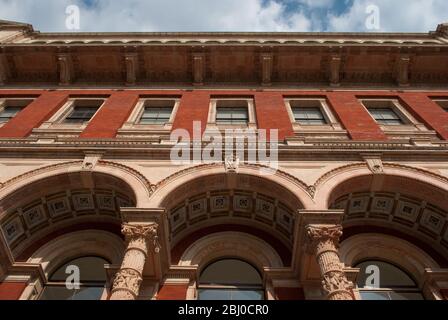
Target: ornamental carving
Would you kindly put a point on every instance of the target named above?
(141, 235)
(336, 281)
(324, 233)
(127, 279)
(232, 163)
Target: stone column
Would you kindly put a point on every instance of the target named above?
(141, 240)
(324, 241)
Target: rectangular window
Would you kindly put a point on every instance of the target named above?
(80, 115)
(232, 116)
(309, 116)
(9, 108)
(156, 115)
(8, 113)
(386, 116)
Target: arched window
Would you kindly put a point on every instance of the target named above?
(92, 278)
(230, 279)
(379, 280)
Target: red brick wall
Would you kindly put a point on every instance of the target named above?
(289, 294)
(194, 106)
(272, 114)
(427, 111)
(112, 115)
(11, 290)
(270, 110)
(354, 117)
(39, 111)
(173, 292)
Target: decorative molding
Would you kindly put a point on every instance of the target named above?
(335, 70)
(338, 170)
(267, 63)
(374, 163)
(131, 61)
(66, 69)
(198, 68)
(136, 235)
(91, 160)
(403, 66)
(232, 164)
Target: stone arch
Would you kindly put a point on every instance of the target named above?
(406, 201)
(65, 200)
(78, 244)
(327, 186)
(231, 245)
(140, 186)
(374, 246)
(291, 184)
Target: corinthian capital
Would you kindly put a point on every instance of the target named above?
(142, 233)
(323, 237)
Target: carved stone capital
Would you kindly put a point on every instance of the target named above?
(126, 285)
(140, 236)
(322, 238)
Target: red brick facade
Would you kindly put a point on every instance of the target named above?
(270, 109)
(172, 292)
(11, 290)
(289, 294)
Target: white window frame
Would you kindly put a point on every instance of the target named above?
(133, 122)
(4, 104)
(332, 123)
(409, 122)
(57, 120)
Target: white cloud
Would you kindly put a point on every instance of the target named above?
(395, 16)
(228, 15)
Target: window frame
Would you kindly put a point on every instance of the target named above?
(321, 103)
(4, 105)
(56, 124)
(231, 102)
(133, 126)
(202, 286)
(409, 122)
(86, 284)
(413, 290)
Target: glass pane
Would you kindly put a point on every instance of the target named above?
(230, 294)
(81, 114)
(62, 293)
(10, 112)
(91, 270)
(309, 116)
(156, 115)
(232, 116)
(390, 295)
(390, 275)
(231, 272)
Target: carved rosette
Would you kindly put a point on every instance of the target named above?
(323, 242)
(140, 240)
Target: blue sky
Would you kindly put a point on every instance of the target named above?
(230, 15)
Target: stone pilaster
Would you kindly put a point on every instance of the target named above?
(4, 72)
(198, 68)
(141, 239)
(66, 69)
(323, 241)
